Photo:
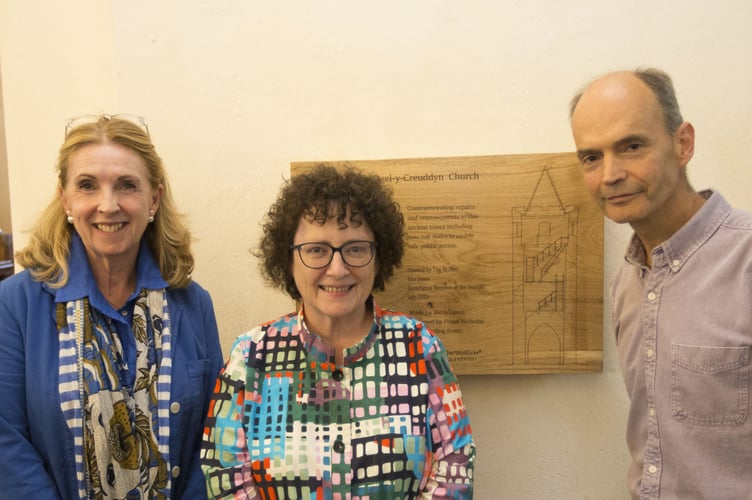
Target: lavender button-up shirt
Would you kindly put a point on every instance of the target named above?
(684, 331)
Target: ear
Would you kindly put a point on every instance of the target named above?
(684, 141)
(156, 198)
(63, 199)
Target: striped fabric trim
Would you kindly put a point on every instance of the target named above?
(71, 384)
(158, 302)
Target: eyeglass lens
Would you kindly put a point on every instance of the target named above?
(318, 255)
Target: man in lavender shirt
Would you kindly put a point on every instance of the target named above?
(682, 300)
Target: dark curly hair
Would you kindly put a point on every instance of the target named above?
(320, 194)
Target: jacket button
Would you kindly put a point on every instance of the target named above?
(174, 407)
(176, 471)
(339, 446)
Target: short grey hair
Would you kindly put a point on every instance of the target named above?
(659, 82)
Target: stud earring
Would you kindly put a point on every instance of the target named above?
(151, 216)
(70, 217)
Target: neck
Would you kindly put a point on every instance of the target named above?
(653, 233)
(341, 333)
(116, 282)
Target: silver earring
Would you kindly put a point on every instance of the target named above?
(70, 218)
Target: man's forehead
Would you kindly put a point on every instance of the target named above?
(616, 89)
(620, 102)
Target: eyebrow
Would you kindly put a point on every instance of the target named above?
(86, 175)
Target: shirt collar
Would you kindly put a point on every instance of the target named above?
(323, 352)
(81, 281)
(682, 244)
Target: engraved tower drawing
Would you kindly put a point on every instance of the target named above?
(544, 277)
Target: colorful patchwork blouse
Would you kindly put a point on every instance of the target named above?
(286, 422)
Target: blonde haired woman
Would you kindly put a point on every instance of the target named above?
(109, 350)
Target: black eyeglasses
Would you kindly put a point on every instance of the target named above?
(319, 254)
(77, 121)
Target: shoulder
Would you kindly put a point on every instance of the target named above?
(740, 220)
(284, 326)
(189, 296)
(21, 287)
(253, 343)
(17, 280)
(624, 272)
(393, 321)
(718, 212)
(26, 304)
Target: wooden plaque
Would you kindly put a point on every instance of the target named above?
(504, 259)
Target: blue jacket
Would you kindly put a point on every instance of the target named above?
(36, 446)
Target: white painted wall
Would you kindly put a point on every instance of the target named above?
(236, 90)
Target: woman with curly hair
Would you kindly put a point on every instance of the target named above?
(341, 399)
(108, 349)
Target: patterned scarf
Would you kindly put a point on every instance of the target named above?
(120, 431)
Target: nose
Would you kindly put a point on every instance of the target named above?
(108, 201)
(337, 266)
(613, 170)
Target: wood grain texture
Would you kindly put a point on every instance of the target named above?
(504, 259)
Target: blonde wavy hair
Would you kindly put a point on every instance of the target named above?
(168, 237)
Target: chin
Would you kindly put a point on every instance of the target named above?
(621, 216)
(620, 220)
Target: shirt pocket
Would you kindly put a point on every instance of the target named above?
(189, 390)
(710, 385)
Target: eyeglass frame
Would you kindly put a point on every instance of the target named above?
(372, 246)
(77, 121)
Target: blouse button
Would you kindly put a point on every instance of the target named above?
(338, 375)
(174, 407)
(339, 446)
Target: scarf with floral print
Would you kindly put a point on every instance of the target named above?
(120, 429)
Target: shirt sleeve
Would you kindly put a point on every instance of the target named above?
(24, 474)
(450, 470)
(225, 460)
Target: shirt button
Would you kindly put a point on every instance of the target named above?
(338, 375)
(650, 353)
(339, 446)
(651, 296)
(174, 407)
(652, 469)
(176, 471)
(651, 412)
(676, 263)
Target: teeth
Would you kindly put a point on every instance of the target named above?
(110, 228)
(335, 289)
